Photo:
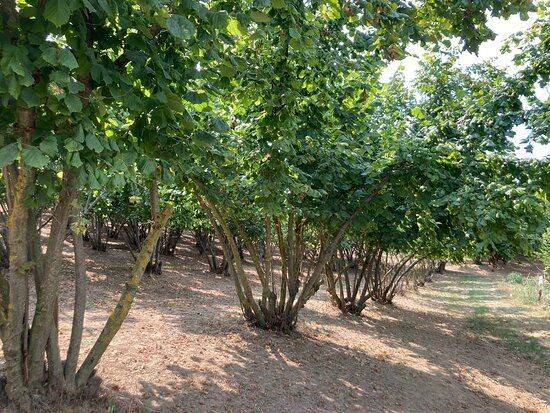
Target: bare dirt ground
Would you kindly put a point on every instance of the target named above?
(185, 347)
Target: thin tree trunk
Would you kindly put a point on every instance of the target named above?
(124, 304)
(154, 265)
(248, 313)
(47, 290)
(55, 367)
(79, 310)
(284, 267)
(154, 193)
(250, 303)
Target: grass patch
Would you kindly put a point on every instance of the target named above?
(477, 295)
(474, 279)
(497, 330)
(515, 278)
(526, 289)
(468, 279)
(481, 310)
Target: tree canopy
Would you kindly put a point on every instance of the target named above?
(265, 125)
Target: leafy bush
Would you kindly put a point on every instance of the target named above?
(515, 278)
(545, 250)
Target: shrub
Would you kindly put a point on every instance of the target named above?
(545, 250)
(515, 278)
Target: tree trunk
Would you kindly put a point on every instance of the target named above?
(154, 266)
(48, 287)
(124, 304)
(15, 329)
(204, 241)
(12, 334)
(171, 240)
(79, 310)
(361, 285)
(270, 311)
(55, 366)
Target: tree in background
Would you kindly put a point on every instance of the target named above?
(302, 158)
(532, 60)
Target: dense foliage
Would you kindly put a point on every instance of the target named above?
(264, 128)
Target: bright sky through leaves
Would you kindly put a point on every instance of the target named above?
(490, 50)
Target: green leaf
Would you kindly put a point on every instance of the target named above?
(161, 97)
(30, 97)
(27, 80)
(73, 146)
(259, 17)
(187, 122)
(74, 160)
(74, 104)
(8, 154)
(227, 71)
(49, 146)
(113, 145)
(105, 6)
(14, 89)
(129, 157)
(234, 28)
(204, 138)
(180, 27)
(102, 177)
(174, 102)
(295, 43)
(93, 182)
(417, 112)
(89, 6)
(50, 56)
(17, 68)
(34, 157)
(219, 19)
(58, 11)
(67, 59)
(75, 87)
(278, 4)
(147, 166)
(220, 125)
(295, 34)
(190, 4)
(79, 137)
(118, 180)
(195, 97)
(93, 143)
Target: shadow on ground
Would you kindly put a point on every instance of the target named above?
(185, 347)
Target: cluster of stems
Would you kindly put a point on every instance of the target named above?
(31, 338)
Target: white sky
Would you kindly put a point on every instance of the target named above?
(488, 50)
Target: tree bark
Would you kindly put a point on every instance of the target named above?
(48, 287)
(155, 265)
(79, 311)
(55, 366)
(18, 220)
(18, 292)
(124, 304)
(250, 304)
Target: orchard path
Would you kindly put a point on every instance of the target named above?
(184, 347)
